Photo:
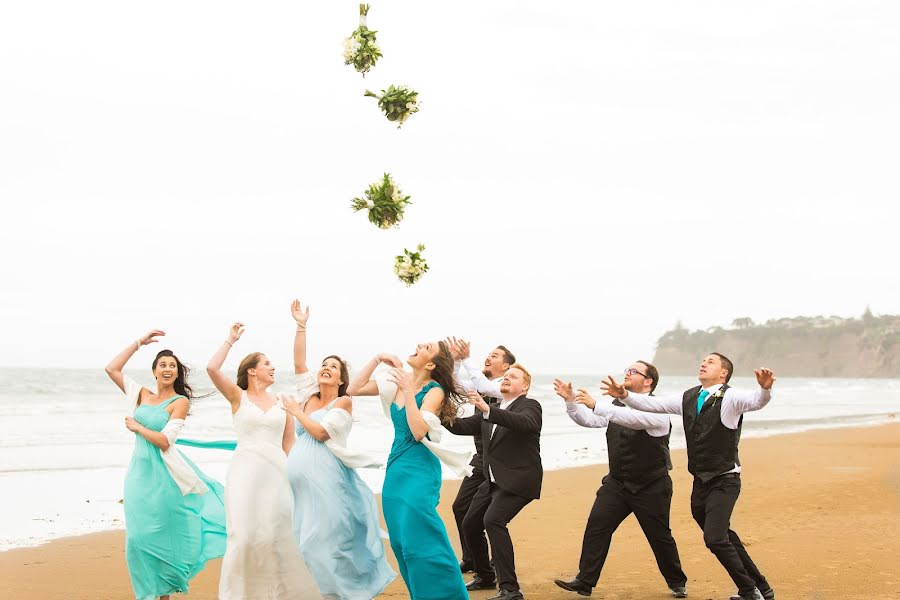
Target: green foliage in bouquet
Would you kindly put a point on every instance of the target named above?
(397, 102)
(410, 266)
(385, 203)
(361, 49)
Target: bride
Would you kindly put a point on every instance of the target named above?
(262, 559)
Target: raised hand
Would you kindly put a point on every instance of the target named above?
(563, 390)
(390, 360)
(403, 381)
(465, 351)
(611, 388)
(477, 401)
(290, 405)
(235, 333)
(300, 315)
(584, 397)
(765, 378)
(454, 348)
(150, 337)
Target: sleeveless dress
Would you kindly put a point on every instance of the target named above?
(335, 520)
(262, 561)
(409, 499)
(168, 536)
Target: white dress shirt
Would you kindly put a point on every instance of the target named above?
(603, 414)
(734, 404)
(472, 378)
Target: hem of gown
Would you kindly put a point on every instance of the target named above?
(157, 595)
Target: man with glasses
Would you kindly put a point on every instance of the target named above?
(638, 480)
(713, 413)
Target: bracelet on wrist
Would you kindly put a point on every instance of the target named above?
(229, 343)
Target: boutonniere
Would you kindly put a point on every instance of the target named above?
(717, 396)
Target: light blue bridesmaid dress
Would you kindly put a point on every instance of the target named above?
(169, 537)
(335, 521)
(409, 499)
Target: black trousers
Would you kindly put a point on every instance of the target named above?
(492, 509)
(650, 506)
(711, 506)
(461, 505)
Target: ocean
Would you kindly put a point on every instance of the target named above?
(64, 447)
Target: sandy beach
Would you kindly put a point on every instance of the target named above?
(819, 512)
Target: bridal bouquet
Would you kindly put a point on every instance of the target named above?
(410, 266)
(397, 103)
(385, 203)
(360, 49)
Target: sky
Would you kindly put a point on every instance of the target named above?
(583, 174)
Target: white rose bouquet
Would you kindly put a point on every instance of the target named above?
(410, 266)
(385, 203)
(397, 102)
(361, 49)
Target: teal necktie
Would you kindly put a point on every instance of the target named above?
(700, 399)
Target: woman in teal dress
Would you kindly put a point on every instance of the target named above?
(335, 517)
(412, 485)
(174, 514)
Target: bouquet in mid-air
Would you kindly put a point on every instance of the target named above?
(384, 201)
(410, 266)
(397, 102)
(361, 49)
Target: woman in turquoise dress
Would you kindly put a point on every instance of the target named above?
(335, 516)
(174, 514)
(417, 403)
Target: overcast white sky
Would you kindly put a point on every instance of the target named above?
(583, 174)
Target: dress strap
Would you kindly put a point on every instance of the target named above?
(170, 401)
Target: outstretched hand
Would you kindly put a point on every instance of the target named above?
(564, 390)
(390, 360)
(150, 337)
(477, 401)
(765, 378)
(584, 397)
(459, 348)
(300, 315)
(611, 388)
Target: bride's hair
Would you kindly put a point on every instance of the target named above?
(250, 361)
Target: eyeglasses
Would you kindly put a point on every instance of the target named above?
(635, 372)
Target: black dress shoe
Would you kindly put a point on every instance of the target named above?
(508, 595)
(466, 566)
(679, 591)
(754, 596)
(481, 584)
(575, 585)
(768, 594)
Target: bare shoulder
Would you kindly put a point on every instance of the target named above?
(344, 402)
(179, 408)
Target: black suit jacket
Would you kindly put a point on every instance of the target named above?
(513, 454)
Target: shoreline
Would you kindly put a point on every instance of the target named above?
(818, 513)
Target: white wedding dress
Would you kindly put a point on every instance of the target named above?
(262, 560)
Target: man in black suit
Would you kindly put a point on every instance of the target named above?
(511, 431)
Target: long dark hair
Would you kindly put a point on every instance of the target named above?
(181, 385)
(454, 395)
(345, 373)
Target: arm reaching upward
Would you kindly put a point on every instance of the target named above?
(228, 388)
(301, 317)
(115, 366)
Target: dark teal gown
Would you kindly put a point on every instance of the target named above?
(409, 499)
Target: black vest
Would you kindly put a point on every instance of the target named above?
(477, 461)
(636, 458)
(712, 448)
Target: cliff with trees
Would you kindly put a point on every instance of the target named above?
(793, 347)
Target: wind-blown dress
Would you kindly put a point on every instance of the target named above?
(174, 513)
(409, 499)
(335, 516)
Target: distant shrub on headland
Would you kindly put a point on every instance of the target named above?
(793, 347)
